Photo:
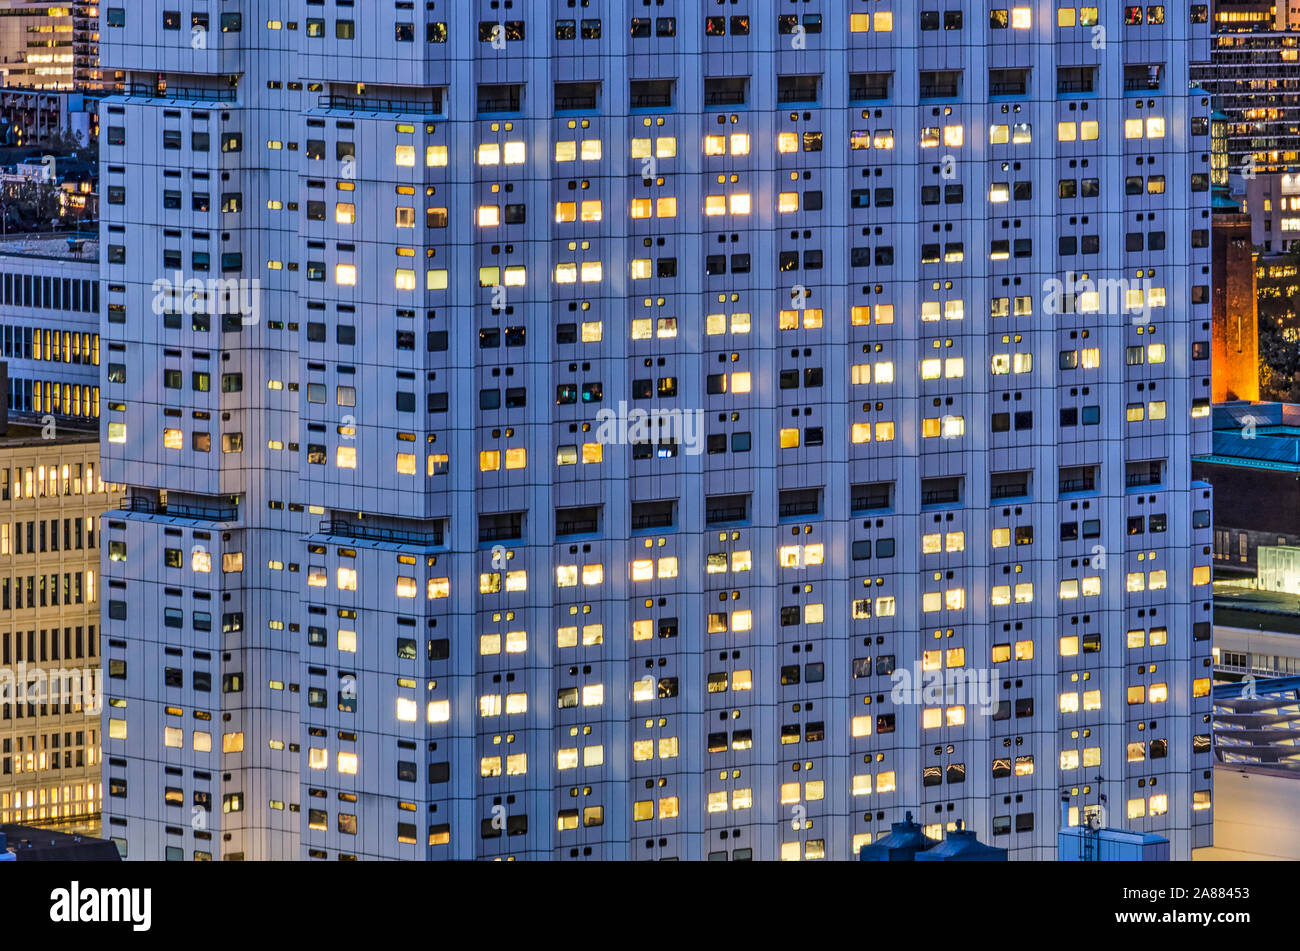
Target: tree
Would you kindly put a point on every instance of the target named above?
(28, 206)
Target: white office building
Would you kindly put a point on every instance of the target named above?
(561, 431)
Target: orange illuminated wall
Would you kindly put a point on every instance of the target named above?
(1235, 328)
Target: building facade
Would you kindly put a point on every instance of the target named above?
(51, 685)
(1255, 454)
(764, 362)
(1253, 75)
(52, 46)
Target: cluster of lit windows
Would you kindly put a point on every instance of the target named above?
(50, 802)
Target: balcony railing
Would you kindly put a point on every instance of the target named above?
(346, 529)
(1010, 490)
(148, 506)
(869, 503)
(1074, 85)
(794, 509)
(652, 520)
(1086, 484)
(500, 533)
(718, 516)
(862, 92)
(169, 91)
(576, 526)
(938, 90)
(724, 97)
(422, 107)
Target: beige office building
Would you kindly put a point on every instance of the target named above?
(51, 685)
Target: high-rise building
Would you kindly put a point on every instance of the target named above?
(566, 433)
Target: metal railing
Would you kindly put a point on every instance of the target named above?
(735, 513)
(148, 506)
(576, 526)
(356, 104)
(1009, 490)
(168, 91)
(344, 528)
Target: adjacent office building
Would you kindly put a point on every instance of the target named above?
(50, 45)
(569, 433)
(1253, 75)
(51, 497)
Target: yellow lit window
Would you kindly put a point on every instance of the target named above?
(489, 216)
(789, 438)
(435, 156)
(489, 460)
(1021, 18)
(566, 211)
(787, 142)
(404, 156)
(787, 202)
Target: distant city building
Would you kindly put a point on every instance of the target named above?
(1253, 73)
(1255, 456)
(50, 44)
(28, 117)
(49, 324)
(1257, 723)
(1234, 356)
(1255, 809)
(27, 843)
